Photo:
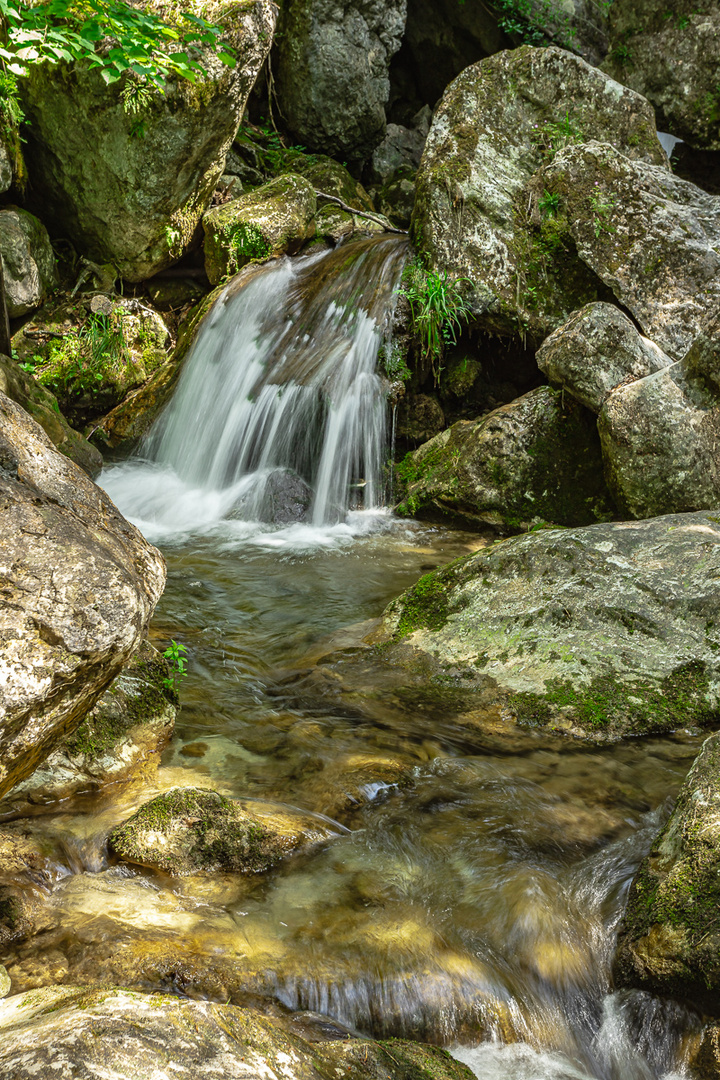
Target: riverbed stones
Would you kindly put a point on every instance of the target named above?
(133, 201)
(331, 69)
(28, 261)
(595, 351)
(190, 831)
(79, 586)
(669, 940)
(536, 459)
(275, 218)
(498, 123)
(601, 631)
(117, 1033)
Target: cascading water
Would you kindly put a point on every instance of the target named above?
(280, 413)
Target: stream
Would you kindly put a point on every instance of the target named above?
(473, 885)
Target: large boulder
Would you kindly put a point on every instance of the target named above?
(117, 1034)
(669, 940)
(331, 72)
(130, 200)
(477, 198)
(671, 54)
(79, 586)
(28, 261)
(602, 631)
(595, 351)
(537, 458)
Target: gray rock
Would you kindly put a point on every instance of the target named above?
(536, 459)
(332, 80)
(595, 351)
(603, 631)
(702, 360)
(79, 586)
(652, 238)
(498, 123)
(118, 1033)
(6, 165)
(402, 147)
(28, 261)
(669, 939)
(140, 202)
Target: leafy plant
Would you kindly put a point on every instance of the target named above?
(177, 664)
(438, 310)
(79, 362)
(391, 360)
(551, 135)
(535, 22)
(602, 206)
(549, 204)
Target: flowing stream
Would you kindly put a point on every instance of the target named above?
(472, 889)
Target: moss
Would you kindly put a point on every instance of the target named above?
(418, 1061)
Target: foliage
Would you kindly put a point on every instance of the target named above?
(78, 362)
(176, 662)
(438, 310)
(601, 206)
(391, 359)
(535, 22)
(549, 204)
(11, 114)
(551, 136)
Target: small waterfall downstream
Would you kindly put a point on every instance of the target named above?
(280, 414)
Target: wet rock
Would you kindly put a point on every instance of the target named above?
(139, 204)
(652, 238)
(188, 830)
(275, 218)
(535, 459)
(339, 227)
(419, 417)
(671, 56)
(28, 261)
(118, 1033)
(595, 351)
(79, 586)
(44, 409)
(669, 940)
(332, 69)
(601, 631)
(477, 203)
(328, 176)
(121, 736)
(285, 498)
(706, 1062)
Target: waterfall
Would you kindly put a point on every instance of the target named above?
(280, 414)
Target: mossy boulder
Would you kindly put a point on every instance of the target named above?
(669, 940)
(28, 261)
(479, 209)
(190, 831)
(602, 631)
(328, 176)
(271, 220)
(536, 459)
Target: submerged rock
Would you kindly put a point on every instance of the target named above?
(117, 1033)
(79, 586)
(28, 261)
(669, 940)
(537, 458)
(602, 631)
(190, 831)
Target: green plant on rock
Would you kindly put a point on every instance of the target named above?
(535, 22)
(177, 664)
(83, 358)
(553, 135)
(391, 360)
(549, 204)
(438, 310)
(602, 205)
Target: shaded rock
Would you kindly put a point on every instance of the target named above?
(602, 631)
(401, 148)
(171, 294)
(338, 226)
(328, 176)
(419, 417)
(702, 360)
(28, 261)
(706, 1062)
(79, 586)
(116, 1033)
(537, 458)
(595, 351)
(671, 56)
(6, 164)
(397, 200)
(669, 939)
(44, 409)
(652, 238)
(331, 72)
(498, 123)
(121, 735)
(140, 202)
(275, 218)
(188, 830)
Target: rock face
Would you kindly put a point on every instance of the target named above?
(669, 941)
(595, 351)
(332, 69)
(535, 459)
(671, 56)
(121, 736)
(275, 218)
(190, 831)
(139, 201)
(44, 409)
(79, 586)
(602, 631)
(117, 1033)
(498, 123)
(28, 261)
